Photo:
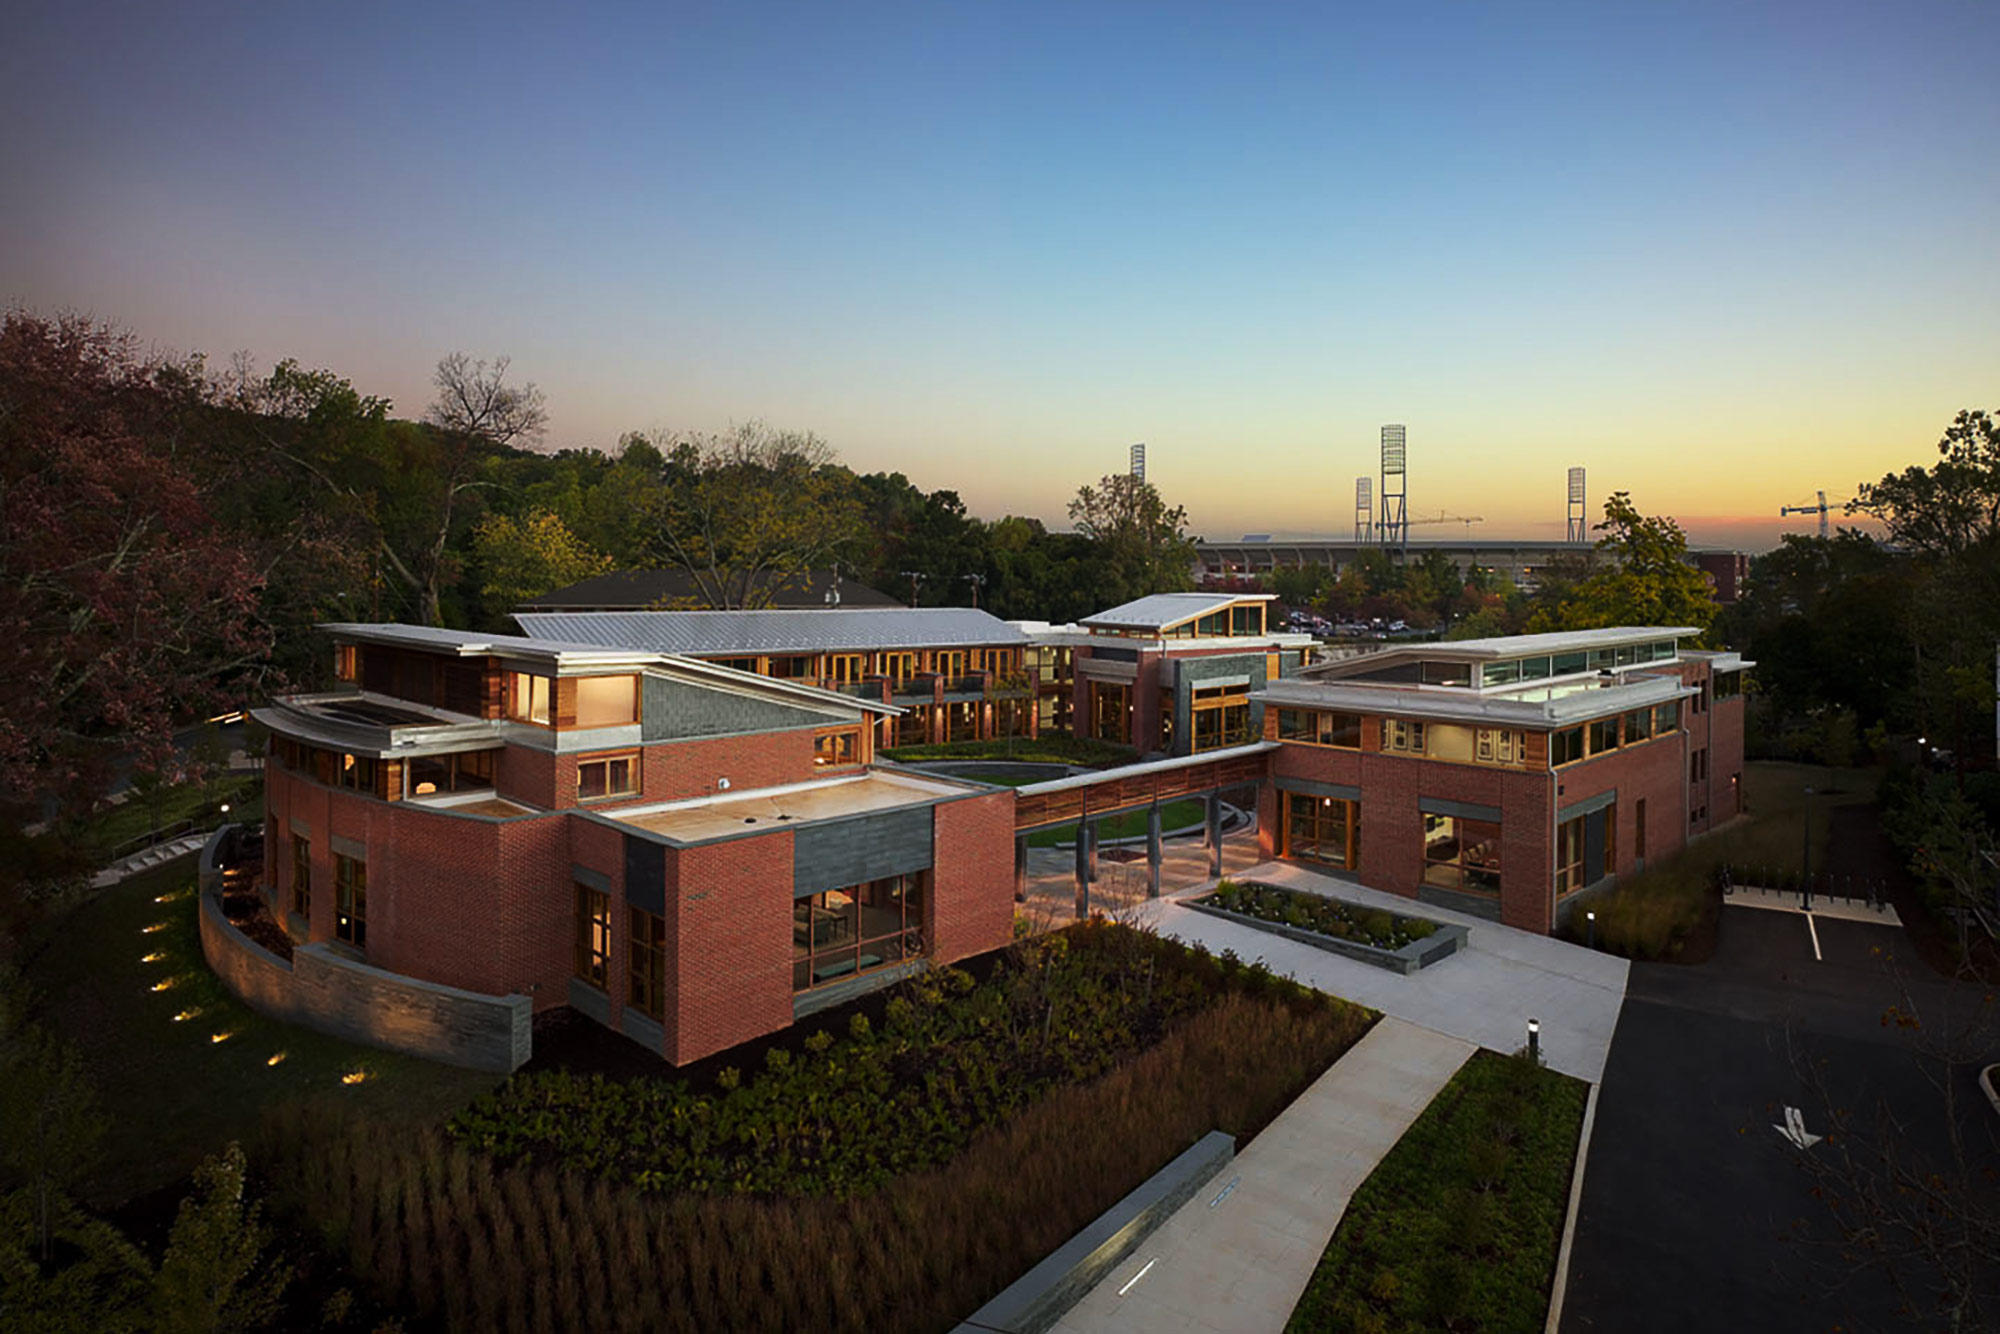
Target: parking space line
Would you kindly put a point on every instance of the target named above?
(1817, 956)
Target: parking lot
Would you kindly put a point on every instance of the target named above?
(1696, 1212)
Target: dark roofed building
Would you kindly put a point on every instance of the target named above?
(672, 590)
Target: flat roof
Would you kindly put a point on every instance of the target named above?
(468, 644)
(1161, 611)
(774, 630)
(703, 818)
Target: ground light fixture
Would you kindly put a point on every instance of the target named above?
(354, 1076)
(1590, 923)
(186, 1015)
(155, 957)
(223, 1036)
(275, 1058)
(1535, 1041)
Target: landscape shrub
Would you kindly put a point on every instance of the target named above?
(1316, 912)
(1458, 1227)
(443, 1230)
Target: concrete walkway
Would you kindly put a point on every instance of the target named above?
(1484, 994)
(1235, 1258)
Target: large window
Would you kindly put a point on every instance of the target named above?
(350, 900)
(1728, 685)
(607, 776)
(1666, 718)
(833, 750)
(530, 697)
(1569, 855)
(899, 667)
(593, 936)
(1323, 829)
(466, 771)
(1220, 717)
(607, 701)
(1320, 728)
(646, 963)
(842, 932)
(1111, 712)
(302, 875)
(1566, 746)
(1462, 854)
(1499, 745)
(1638, 725)
(1579, 859)
(1603, 735)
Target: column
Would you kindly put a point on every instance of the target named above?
(1153, 852)
(1020, 868)
(1213, 833)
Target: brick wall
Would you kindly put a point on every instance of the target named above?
(972, 881)
(1725, 759)
(730, 932)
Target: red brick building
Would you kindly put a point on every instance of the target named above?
(1504, 777)
(691, 855)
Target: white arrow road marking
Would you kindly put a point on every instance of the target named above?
(1795, 1130)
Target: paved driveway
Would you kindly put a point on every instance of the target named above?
(1694, 1205)
(1484, 994)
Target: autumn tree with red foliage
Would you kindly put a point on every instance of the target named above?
(122, 606)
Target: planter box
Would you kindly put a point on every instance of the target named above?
(1446, 941)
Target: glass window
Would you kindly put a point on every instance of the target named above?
(1568, 663)
(607, 776)
(1462, 854)
(791, 666)
(1534, 669)
(1447, 674)
(1728, 685)
(350, 900)
(593, 936)
(607, 701)
(1323, 829)
(1628, 654)
(1403, 735)
(831, 749)
(302, 869)
(1662, 649)
(738, 664)
(1638, 725)
(1569, 855)
(1603, 658)
(1603, 735)
(842, 932)
(646, 963)
(1666, 718)
(1566, 746)
(529, 698)
(1498, 745)
(1501, 673)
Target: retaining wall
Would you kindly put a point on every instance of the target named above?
(329, 993)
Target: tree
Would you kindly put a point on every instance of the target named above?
(475, 400)
(524, 558)
(50, 1119)
(121, 603)
(1951, 508)
(746, 512)
(1138, 542)
(215, 1277)
(1648, 582)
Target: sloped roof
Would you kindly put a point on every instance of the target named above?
(1159, 611)
(648, 590)
(742, 633)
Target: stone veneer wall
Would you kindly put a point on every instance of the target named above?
(321, 990)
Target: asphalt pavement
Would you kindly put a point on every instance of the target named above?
(1697, 1213)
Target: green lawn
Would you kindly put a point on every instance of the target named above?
(1459, 1226)
(173, 1093)
(1126, 824)
(1057, 749)
(139, 814)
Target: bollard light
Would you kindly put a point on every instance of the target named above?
(225, 808)
(1535, 1041)
(1590, 924)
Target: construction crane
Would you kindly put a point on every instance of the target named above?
(1819, 509)
(1441, 517)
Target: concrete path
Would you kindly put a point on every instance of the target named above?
(1237, 1256)
(1484, 994)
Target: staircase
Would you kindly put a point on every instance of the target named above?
(151, 857)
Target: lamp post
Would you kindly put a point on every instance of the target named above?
(1535, 1041)
(1805, 854)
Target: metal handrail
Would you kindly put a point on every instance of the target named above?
(151, 838)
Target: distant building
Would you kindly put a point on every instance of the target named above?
(656, 590)
(1727, 572)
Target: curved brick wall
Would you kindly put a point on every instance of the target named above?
(323, 991)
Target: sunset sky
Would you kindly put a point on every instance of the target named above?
(1722, 255)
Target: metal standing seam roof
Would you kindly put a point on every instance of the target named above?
(1159, 611)
(835, 630)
